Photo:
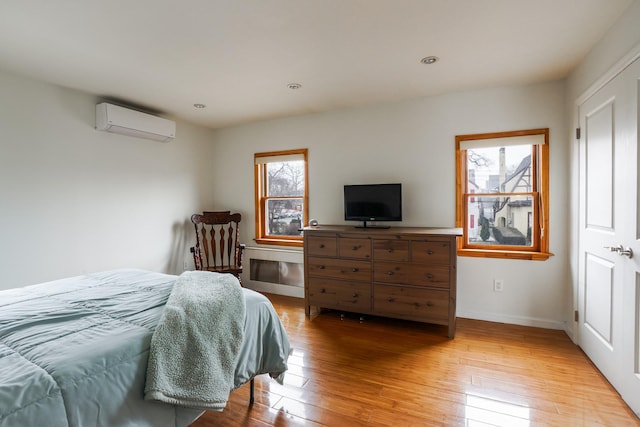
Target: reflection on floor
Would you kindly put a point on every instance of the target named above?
(484, 411)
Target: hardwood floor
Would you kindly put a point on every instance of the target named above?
(385, 372)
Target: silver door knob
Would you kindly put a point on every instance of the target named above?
(621, 250)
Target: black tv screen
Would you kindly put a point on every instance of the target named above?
(373, 202)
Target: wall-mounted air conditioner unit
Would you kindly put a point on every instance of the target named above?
(116, 119)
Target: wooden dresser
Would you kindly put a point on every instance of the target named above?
(401, 272)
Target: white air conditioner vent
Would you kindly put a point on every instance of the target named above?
(116, 119)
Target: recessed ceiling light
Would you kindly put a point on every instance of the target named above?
(429, 60)
(199, 105)
(294, 86)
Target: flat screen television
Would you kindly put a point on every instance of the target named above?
(373, 202)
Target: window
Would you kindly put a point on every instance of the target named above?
(281, 187)
(502, 194)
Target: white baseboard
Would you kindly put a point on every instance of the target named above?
(513, 320)
(571, 331)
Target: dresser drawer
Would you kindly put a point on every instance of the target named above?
(431, 252)
(405, 302)
(354, 248)
(340, 294)
(391, 250)
(344, 269)
(413, 274)
(322, 246)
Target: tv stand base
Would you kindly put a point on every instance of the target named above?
(379, 227)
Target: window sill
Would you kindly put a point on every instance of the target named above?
(279, 242)
(524, 255)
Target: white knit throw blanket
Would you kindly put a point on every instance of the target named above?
(196, 343)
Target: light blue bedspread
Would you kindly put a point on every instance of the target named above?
(73, 352)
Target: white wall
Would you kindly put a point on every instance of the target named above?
(412, 142)
(75, 200)
(621, 43)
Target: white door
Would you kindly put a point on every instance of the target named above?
(609, 275)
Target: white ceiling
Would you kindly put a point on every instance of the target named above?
(238, 56)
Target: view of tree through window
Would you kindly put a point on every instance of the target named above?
(285, 197)
(281, 186)
(500, 198)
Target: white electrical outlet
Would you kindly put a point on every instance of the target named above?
(498, 285)
(185, 265)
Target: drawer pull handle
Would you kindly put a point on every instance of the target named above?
(321, 267)
(355, 248)
(390, 273)
(354, 270)
(390, 299)
(389, 250)
(429, 276)
(355, 295)
(322, 291)
(322, 246)
(429, 252)
(429, 304)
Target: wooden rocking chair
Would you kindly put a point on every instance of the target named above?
(217, 247)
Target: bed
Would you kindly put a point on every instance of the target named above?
(74, 352)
